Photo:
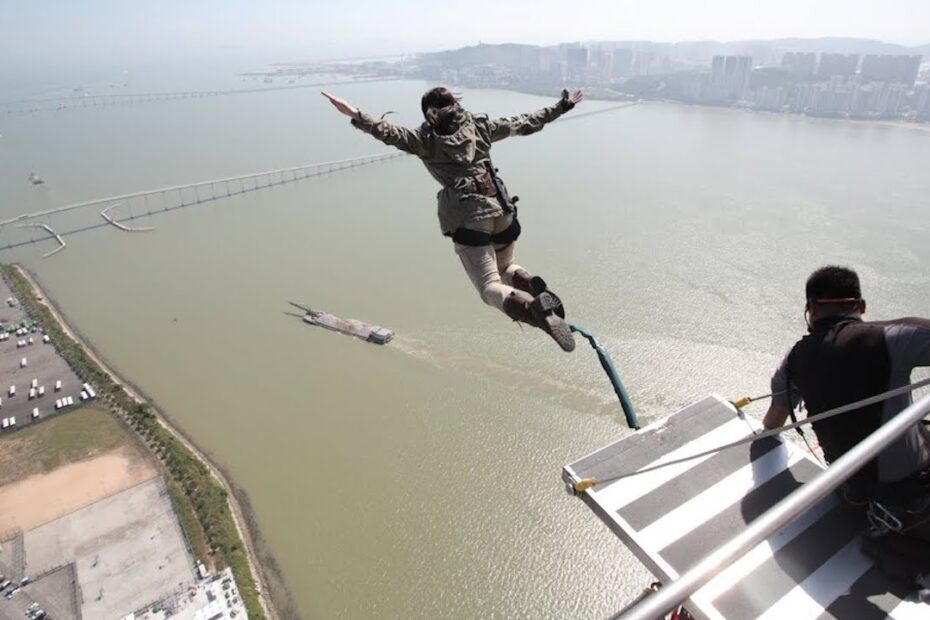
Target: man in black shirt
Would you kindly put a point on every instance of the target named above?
(844, 359)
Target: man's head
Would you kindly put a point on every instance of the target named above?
(439, 107)
(833, 291)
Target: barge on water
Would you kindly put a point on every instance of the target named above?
(365, 331)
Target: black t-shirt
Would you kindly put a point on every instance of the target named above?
(844, 360)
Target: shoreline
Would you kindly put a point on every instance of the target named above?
(865, 122)
(275, 600)
(888, 122)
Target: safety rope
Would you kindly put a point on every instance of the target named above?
(810, 449)
(587, 483)
(739, 403)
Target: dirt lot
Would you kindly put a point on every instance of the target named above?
(66, 463)
(43, 497)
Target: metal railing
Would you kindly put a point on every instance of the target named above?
(782, 513)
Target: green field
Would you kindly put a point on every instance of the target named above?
(60, 440)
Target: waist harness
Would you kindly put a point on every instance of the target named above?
(476, 238)
(488, 184)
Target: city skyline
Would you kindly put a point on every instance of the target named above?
(861, 80)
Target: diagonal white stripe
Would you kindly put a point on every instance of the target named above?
(620, 493)
(700, 508)
(910, 609)
(812, 596)
(660, 562)
(732, 575)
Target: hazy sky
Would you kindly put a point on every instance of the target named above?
(94, 30)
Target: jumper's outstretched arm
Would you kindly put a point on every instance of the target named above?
(526, 124)
(408, 140)
(342, 105)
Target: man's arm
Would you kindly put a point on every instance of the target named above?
(776, 416)
(407, 140)
(779, 408)
(526, 124)
(908, 341)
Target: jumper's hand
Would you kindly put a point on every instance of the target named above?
(568, 101)
(342, 105)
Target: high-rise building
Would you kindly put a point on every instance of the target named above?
(729, 78)
(622, 64)
(576, 63)
(891, 100)
(832, 65)
(922, 102)
(801, 99)
(889, 68)
(738, 71)
(800, 64)
(601, 60)
(909, 69)
(772, 98)
(832, 98)
(717, 86)
(644, 62)
(866, 99)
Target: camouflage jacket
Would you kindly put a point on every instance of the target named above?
(461, 154)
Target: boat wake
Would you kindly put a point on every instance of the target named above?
(583, 395)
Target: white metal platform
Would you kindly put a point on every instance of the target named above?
(673, 516)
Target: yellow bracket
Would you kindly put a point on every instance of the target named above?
(739, 403)
(584, 484)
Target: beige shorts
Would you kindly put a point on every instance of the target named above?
(490, 267)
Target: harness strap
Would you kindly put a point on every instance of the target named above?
(472, 238)
(509, 234)
(487, 184)
(476, 238)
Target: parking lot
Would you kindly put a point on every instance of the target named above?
(106, 560)
(43, 368)
(55, 593)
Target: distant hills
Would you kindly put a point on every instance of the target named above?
(503, 53)
(840, 45)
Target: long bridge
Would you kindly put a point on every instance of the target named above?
(149, 202)
(88, 100)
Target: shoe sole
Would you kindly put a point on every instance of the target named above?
(538, 287)
(548, 306)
